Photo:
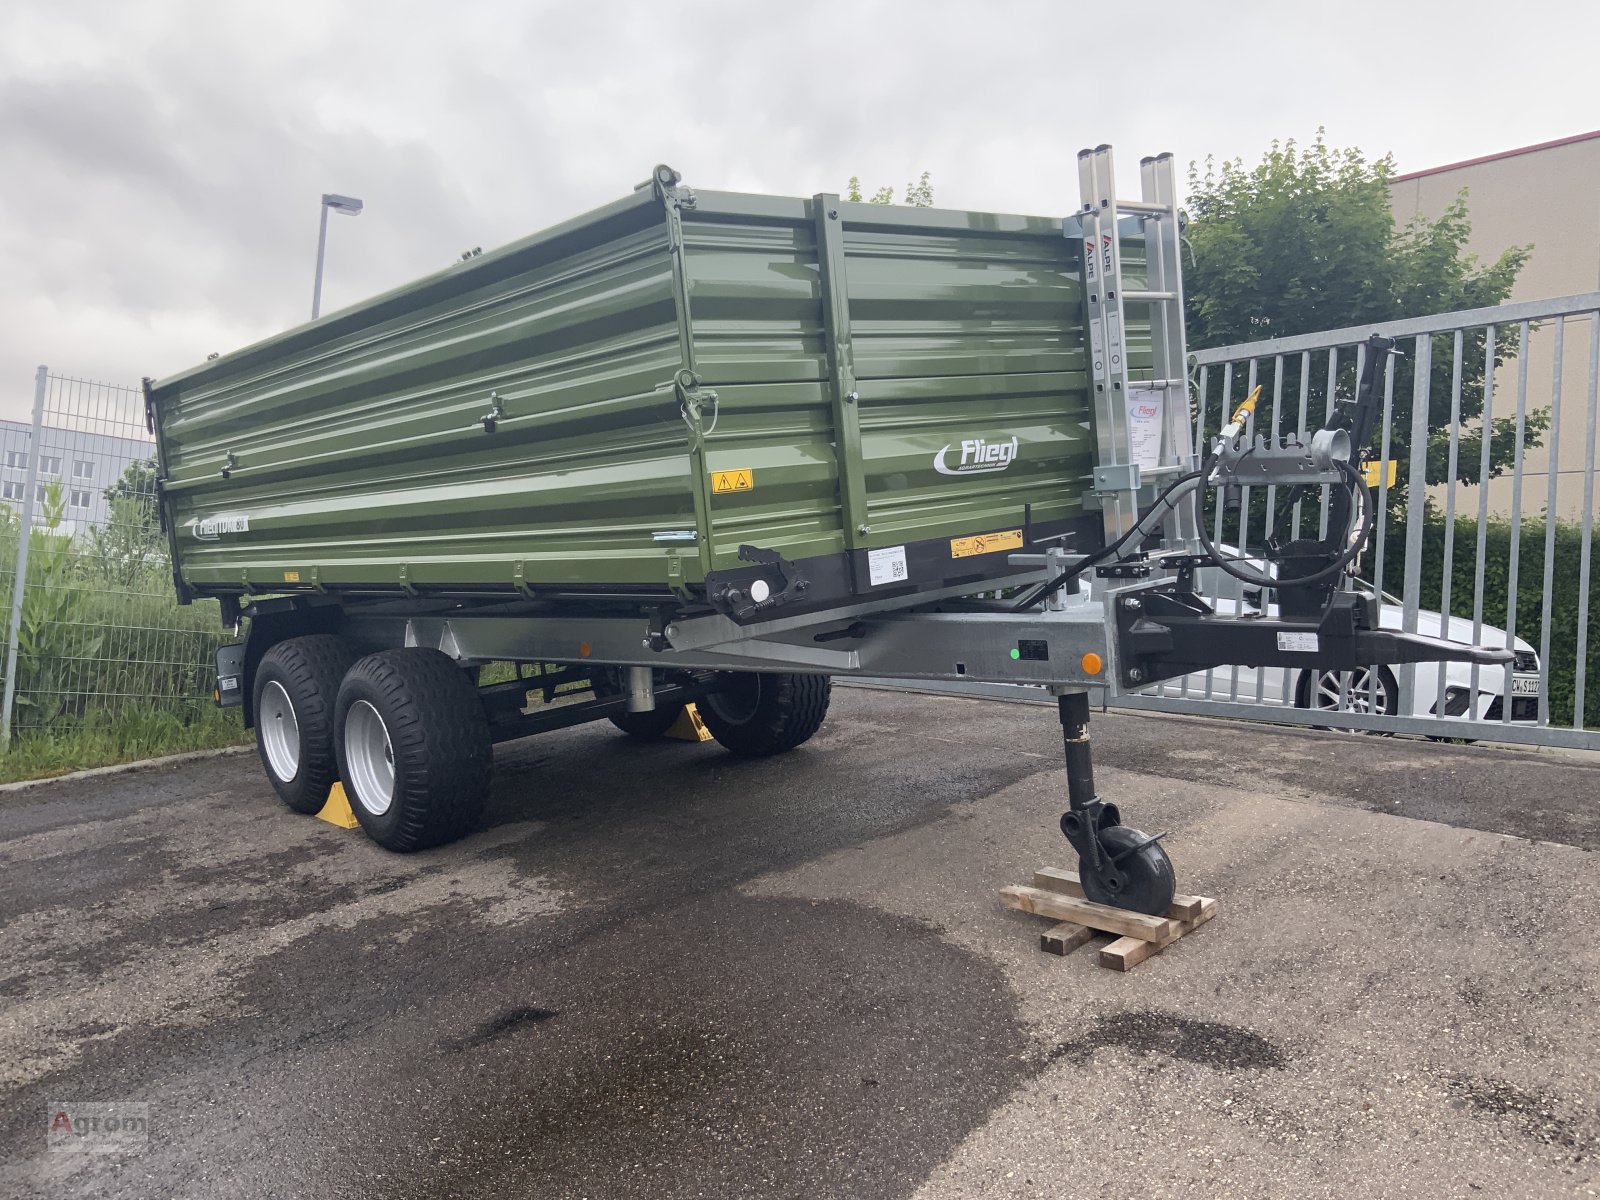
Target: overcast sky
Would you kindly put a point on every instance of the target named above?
(161, 162)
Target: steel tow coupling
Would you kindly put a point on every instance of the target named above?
(1165, 630)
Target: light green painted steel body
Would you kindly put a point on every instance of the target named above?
(520, 421)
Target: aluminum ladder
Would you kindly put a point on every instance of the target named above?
(1129, 472)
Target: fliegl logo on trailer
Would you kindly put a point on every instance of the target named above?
(978, 456)
(208, 529)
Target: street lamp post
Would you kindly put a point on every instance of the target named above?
(350, 207)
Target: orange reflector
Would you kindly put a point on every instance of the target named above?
(584, 649)
(1092, 664)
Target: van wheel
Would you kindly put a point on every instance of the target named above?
(414, 748)
(755, 714)
(296, 685)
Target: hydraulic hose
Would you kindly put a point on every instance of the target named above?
(1356, 486)
(1099, 556)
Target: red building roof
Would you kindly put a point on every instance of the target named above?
(1472, 162)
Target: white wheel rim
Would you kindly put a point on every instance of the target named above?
(370, 756)
(280, 732)
(1346, 692)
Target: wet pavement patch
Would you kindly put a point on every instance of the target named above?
(728, 1045)
(1533, 1114)
(503, 1025)
(1146, 1032)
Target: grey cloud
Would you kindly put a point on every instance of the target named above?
(162, 161)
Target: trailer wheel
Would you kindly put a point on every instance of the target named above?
(648, 726)
(1149, 882)
(755, 714)
(645, 726)
(414, 748)
(296, 685)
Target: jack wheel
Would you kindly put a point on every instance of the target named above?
(1149, 883)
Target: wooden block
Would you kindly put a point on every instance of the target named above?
(1086, 912)
(1064, 938)
(1068, 883)
(1126, 953)
(1185, 908)
(1058, 880)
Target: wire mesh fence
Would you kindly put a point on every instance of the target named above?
(95, 639)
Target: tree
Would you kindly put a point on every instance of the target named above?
(918, 194)
(128, 544)
(1306, 241)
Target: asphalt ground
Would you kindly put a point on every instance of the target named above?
(659, 971)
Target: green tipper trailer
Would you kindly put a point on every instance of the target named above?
(886, 398)
(716, 448)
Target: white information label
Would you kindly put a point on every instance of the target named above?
(1146, 408)
(1298, 643)
(887, 565)
(1114, 339)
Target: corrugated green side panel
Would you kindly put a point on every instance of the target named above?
(967, 339)
(756, 314)
(357, 452)
(966, 329)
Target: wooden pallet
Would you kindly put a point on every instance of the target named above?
(1058, 894)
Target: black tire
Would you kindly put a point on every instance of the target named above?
(431, 730)
(1149, 880)
(648, 726)
(754, 714)
(608, 684)
(1316, 690)
(307, 672)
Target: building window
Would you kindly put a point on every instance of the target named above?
(78, 498)
(12, 489)
(50, 464)
(82, 468)
(17, 459)
(39, 493)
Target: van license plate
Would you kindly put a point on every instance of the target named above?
(1524, 685)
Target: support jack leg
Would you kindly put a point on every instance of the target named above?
(1119, 866)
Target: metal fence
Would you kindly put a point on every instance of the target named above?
(1485, 493)
(94, 636)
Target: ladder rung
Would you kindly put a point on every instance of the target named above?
(1149, 297)
(1143, 208)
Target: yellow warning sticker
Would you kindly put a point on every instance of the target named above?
(291, 576)
(1375, 472)
(985, 543)
(733, 481)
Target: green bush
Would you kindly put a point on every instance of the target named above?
(1532, 609)
(109, 666)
